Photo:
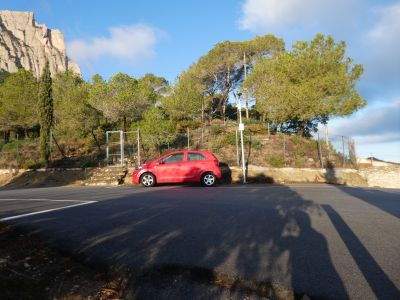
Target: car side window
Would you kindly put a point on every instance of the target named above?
(195, 156)
(177, 157)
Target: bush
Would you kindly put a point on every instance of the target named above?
(257, 128)
(215, 129)
(299, 163)
(31, 164)
(276, 161)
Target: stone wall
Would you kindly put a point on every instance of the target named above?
(385, 177)
(349, 177)
(388, 177)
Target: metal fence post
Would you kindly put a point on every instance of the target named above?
(284, 149)
(188, 138)
(122, 147)
(237, 148)
(319, 151)
(107, 149)
(344, 159)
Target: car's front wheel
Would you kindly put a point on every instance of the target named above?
(208, 179)
(148, 180)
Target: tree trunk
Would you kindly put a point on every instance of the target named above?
(125, 135)
(96, 141)
(302, 127)
(58, 146)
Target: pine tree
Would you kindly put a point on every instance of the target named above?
(46, 112)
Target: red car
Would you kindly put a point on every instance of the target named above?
(180, 166)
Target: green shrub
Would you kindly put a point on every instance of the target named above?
(299, 151)
(31, 164)
(276, 161)
(256, 128)
(299, 163)
(230, 138)
(255, 144)
(215, 129)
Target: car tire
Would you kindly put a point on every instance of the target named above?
(148, 180)
(208, 179)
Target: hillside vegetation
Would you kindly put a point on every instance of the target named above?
(61, 120)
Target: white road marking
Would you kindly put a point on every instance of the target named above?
(80, 203)
(43, 199)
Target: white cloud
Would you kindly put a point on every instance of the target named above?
(383, 41)
(387, 29)
(261, 15)
(374, 124)
(133, 43)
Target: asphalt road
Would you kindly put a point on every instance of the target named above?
(327, 241)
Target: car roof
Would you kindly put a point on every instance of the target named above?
(185, 150)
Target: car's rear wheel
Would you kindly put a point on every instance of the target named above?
(148, 180)
(208, 179)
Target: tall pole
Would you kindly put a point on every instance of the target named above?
(241, 128)
(319, 151)
(202, 112)
(121, 137)
(327, 135)
(237, 149)
(138, 142)
(284, 149)
(245, 76)
(188, 138)
(344, 160)
(107, 149)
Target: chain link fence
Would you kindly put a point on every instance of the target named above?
(261, 147)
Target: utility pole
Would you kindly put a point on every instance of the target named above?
(237, 149)
(245, 76)
(138, 147)
(202, 112)
(122, 146)
(327, 135)
(241, 129)
(188, 139)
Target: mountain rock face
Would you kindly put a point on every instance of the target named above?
(26, 44)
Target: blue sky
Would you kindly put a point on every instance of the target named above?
(165, 37)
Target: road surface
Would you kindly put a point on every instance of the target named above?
(326, 241)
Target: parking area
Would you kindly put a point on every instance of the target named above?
(326, 241)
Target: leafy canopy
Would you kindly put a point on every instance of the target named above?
(19, 101)
(310, 84)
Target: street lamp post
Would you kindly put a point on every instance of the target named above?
(241, 129)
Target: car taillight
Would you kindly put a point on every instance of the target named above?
(216, 163)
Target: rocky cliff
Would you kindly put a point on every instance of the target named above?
(26, 44)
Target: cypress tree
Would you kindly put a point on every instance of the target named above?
(46, 112)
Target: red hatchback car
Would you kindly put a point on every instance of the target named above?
(180, 166)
